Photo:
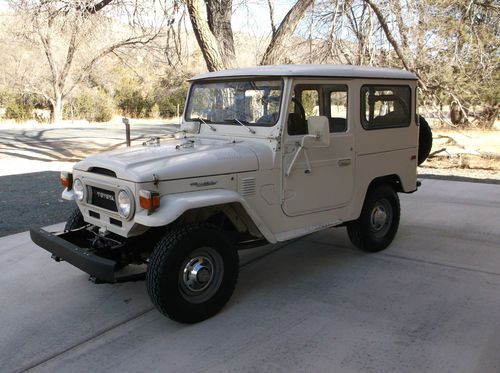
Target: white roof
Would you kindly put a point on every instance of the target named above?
(337, 71)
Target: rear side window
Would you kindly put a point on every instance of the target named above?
(385, 106)
(337, 107)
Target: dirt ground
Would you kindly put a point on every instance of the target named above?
(464, 153)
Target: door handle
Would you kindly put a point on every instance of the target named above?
(344, 162)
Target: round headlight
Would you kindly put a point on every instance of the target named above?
(124, 204)
(78, 189)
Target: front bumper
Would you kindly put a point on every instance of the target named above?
(66, 246)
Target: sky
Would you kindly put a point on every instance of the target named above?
(253, 16)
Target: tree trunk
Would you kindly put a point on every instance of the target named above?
(209, 45)
(57, 109)
(276, 48)
(219, 14)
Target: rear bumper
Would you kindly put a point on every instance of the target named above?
(61, 247)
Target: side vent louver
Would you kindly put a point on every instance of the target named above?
(248, 186)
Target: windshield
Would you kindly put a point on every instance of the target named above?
(252, 102)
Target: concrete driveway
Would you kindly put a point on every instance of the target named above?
(429, 303)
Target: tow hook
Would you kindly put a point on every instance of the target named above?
(57, 258)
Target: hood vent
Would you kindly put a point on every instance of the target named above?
(102, 171)
(248, 186)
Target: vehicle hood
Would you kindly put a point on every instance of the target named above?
(175, 159)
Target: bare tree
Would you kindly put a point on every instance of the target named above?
(211, 22)
(70, 36)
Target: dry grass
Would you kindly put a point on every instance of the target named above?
(465, 153)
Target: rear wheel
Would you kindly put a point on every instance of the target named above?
(192, 272)
(378, 223)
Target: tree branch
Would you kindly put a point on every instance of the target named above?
(271, 16)
(133, 41)
(388, 34)
(94, 8)
(276, 47)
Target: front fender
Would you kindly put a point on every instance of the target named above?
(172, 206)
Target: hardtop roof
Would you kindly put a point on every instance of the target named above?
(334, 71)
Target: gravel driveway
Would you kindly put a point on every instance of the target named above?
(31, 200)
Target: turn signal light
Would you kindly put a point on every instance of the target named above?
(66, 179)
(149, 200)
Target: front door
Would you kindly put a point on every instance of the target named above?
(329, 182)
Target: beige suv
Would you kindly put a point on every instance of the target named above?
(265, 155)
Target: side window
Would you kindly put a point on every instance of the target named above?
(305, 104)
(337, 106)
(310, 101)
(385, 106)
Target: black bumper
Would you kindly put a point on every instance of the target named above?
(61, 247)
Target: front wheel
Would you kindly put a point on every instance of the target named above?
(378, 223)
(192, 272)
(75, 220)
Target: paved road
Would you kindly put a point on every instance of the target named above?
(429, 303)
(25, 149)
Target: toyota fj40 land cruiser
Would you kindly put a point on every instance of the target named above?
(267, 154)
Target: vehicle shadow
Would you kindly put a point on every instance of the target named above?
(42, 146)
(307, 259)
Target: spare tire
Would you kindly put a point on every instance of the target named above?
(424, 140)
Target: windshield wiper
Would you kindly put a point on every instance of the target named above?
(251, 130)
(205, 121)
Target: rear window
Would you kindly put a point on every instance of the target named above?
(385, 106)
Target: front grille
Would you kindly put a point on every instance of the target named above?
(103, 198)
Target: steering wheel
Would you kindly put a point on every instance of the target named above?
(298, 105)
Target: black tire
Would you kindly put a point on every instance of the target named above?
(75, 220)
(424, 140)
(174, 287)
(378, 223)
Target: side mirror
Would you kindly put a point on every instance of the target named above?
(319, 132)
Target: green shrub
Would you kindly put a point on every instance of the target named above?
(94, 105)
(169, 99)
(155, 111)
(18, 111)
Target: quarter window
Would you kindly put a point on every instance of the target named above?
(337, 99)
(385, 106)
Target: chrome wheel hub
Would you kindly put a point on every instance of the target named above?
(197, 274)
(381, 218)
(201, 274)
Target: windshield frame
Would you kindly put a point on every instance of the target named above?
(187, 115)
